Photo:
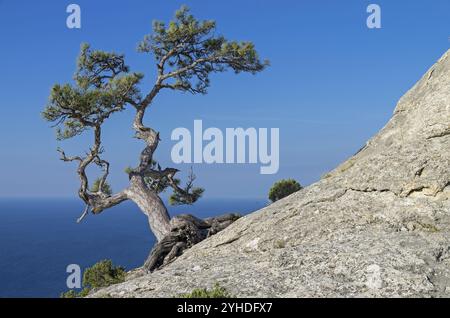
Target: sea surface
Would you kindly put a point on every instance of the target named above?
(39, 238)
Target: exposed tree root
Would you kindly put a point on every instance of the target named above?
(186, 231)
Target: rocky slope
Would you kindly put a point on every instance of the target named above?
(378, 225)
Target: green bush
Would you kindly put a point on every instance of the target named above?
(101, 274)
(69, 294)
(215, 292)
(283, 188)
(73, 294)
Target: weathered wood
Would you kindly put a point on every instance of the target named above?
(151, 205)
(186, 230)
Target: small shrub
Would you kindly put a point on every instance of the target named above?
(101, 274)
(69, 294)
(283, 188)
(215, 292)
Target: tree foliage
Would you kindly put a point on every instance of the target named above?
(190, 51)
(105, 187)
(283, 188)
(103, 86)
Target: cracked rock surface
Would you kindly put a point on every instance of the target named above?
(376, 226)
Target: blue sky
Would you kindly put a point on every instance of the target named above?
(332, 83)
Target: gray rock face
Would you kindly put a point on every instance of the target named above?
(376, 226)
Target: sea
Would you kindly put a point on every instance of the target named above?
(39, 238)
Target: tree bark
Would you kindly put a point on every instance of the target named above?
(151, 205)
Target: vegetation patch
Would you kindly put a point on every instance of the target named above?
(216, 292)
(283, 188)
(100, 275)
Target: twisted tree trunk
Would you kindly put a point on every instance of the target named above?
(151, 205)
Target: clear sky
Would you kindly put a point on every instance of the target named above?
(332, 83)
